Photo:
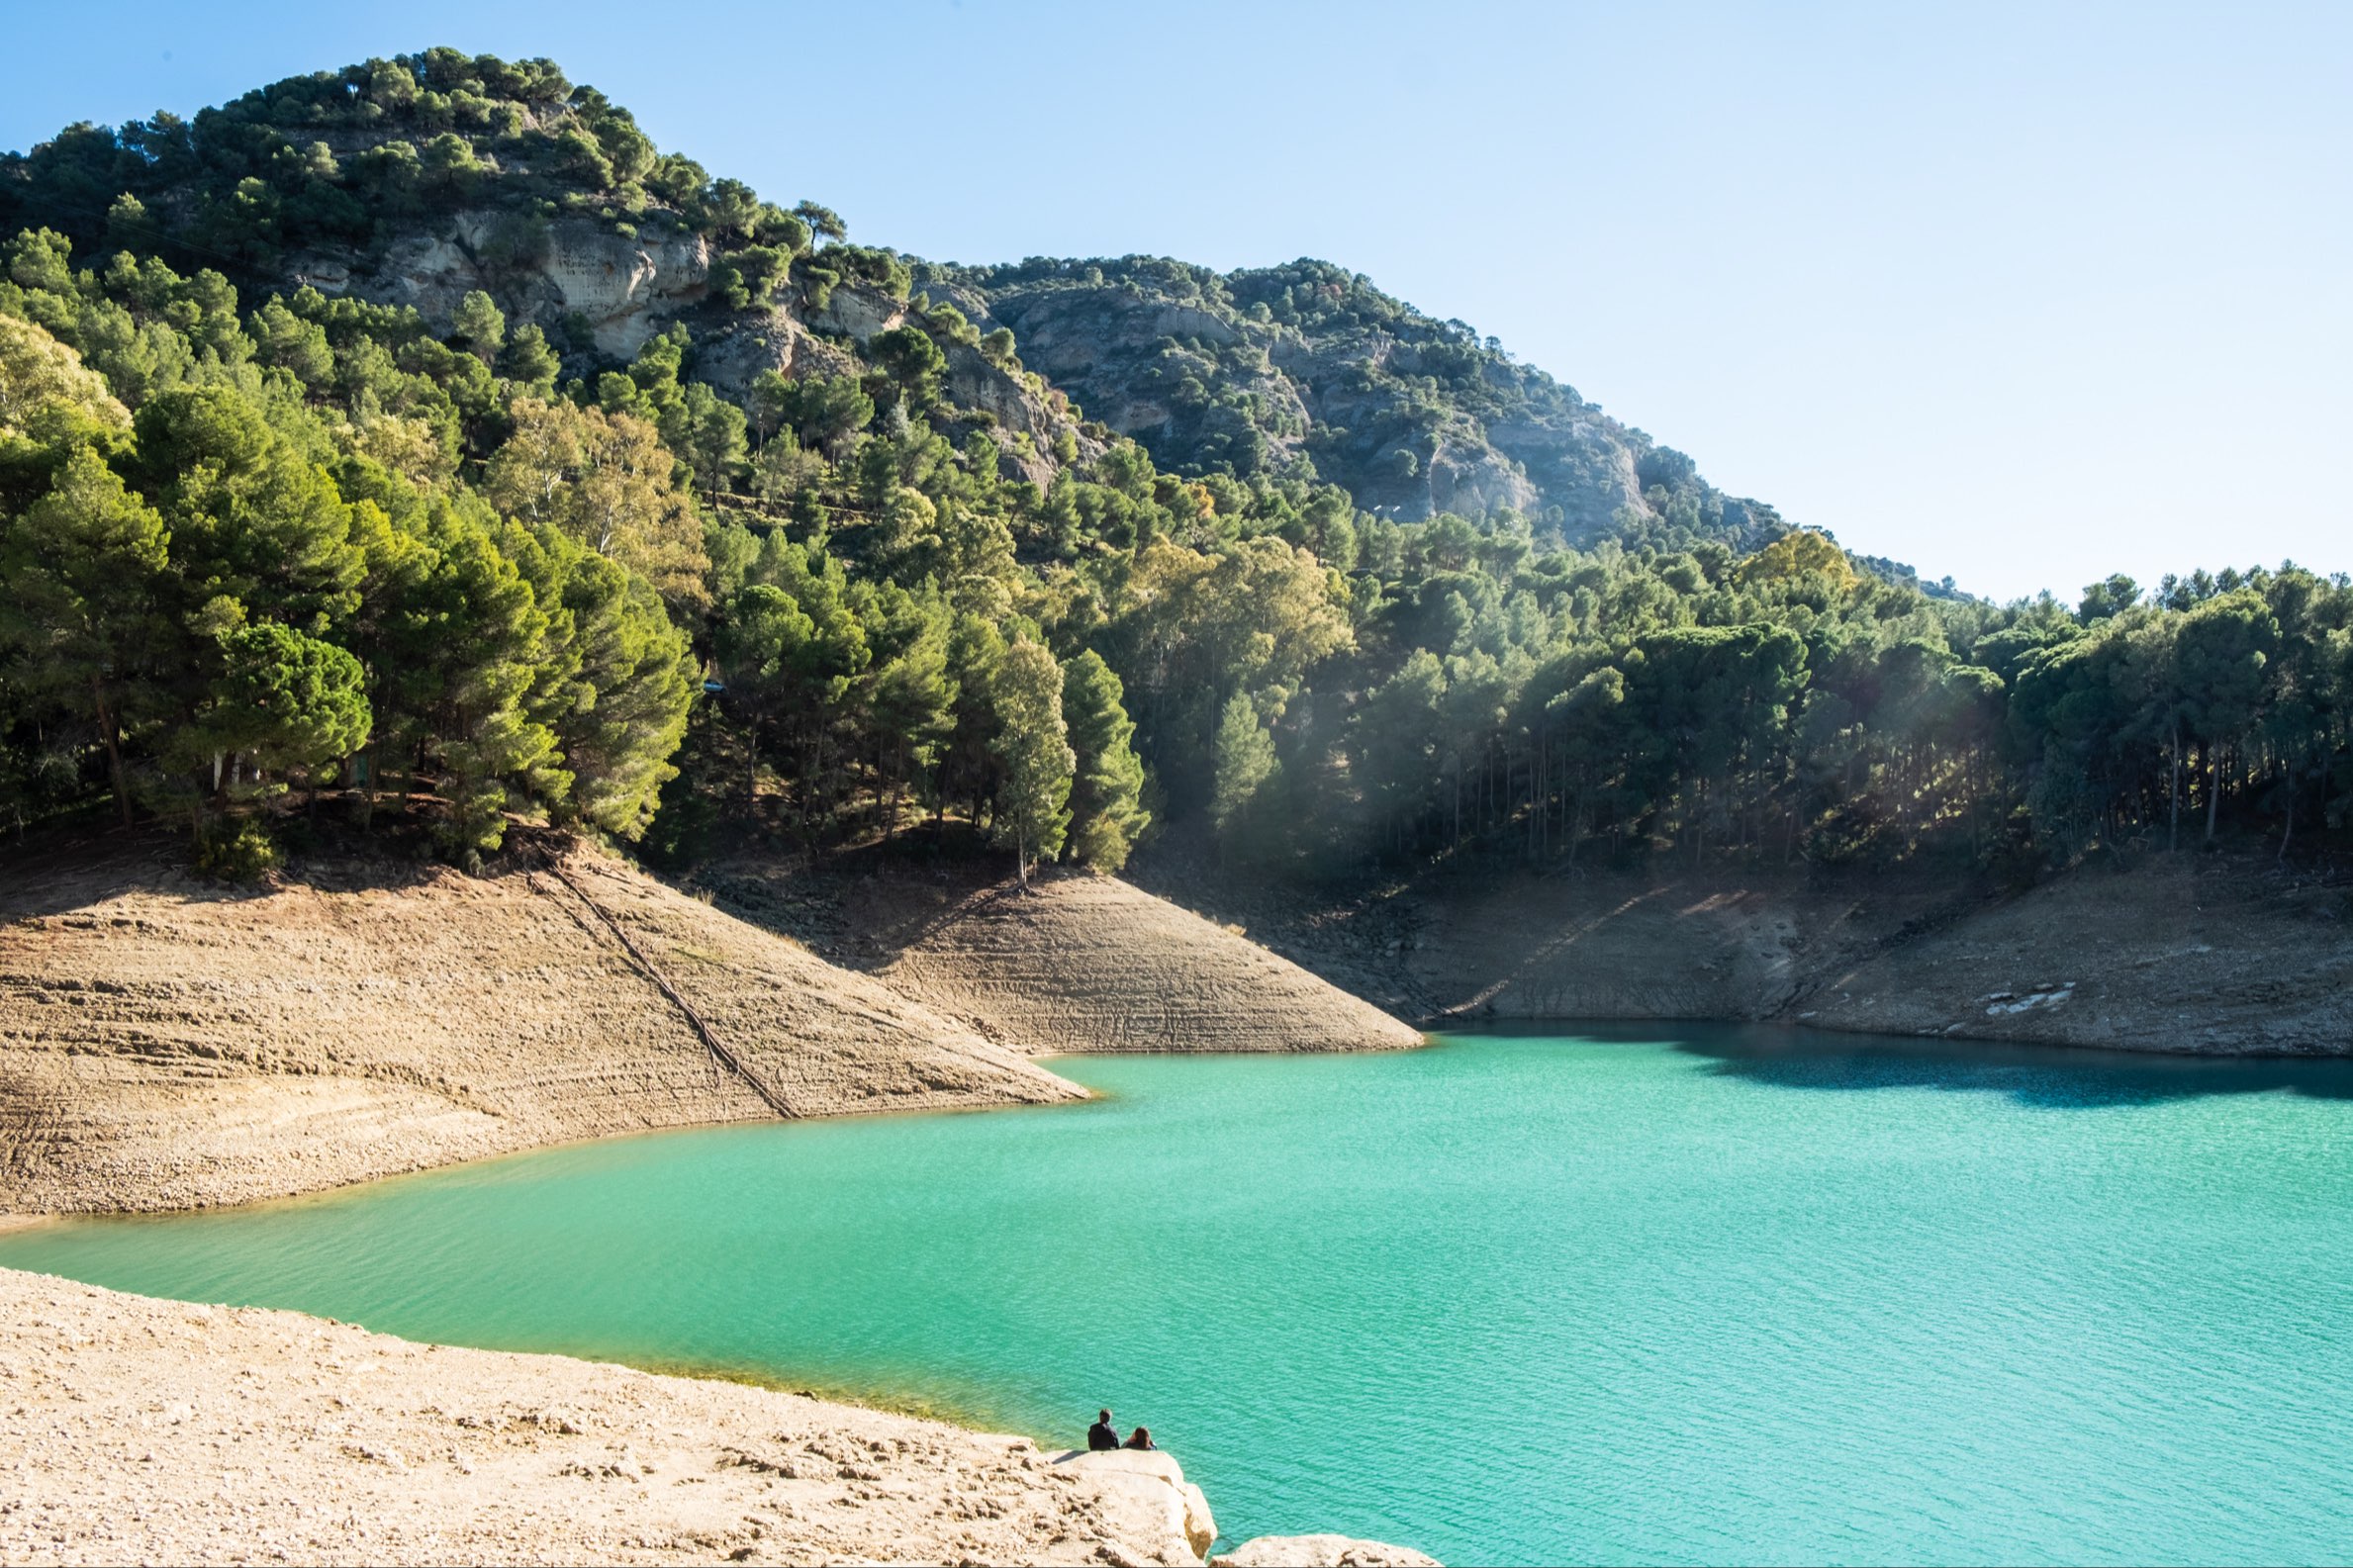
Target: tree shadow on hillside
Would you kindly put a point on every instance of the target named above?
(2047, 1077)
(66, 869)
(863, 907)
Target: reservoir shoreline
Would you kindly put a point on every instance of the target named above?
(174, 1047)
(1928, 1235)
(154, 1430)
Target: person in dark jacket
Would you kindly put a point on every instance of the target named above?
(1100, 1437)
(1141, 1437)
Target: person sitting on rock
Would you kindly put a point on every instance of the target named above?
(1141, 1437)
(1100, 1437)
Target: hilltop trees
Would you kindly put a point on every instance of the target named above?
(2222, 653)
(765, 573)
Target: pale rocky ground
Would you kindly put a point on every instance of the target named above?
(1320, 1551)
(145, 1431)
(2189, 955)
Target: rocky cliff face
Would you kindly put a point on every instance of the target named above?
(625, 287)
(1413, 416)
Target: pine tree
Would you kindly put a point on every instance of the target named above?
(478, 326)
(84, 567)
(1033, 756)
(532, 364)
(617, 680)
(913, 709)
(714, 437)
(251, 519)
(284, 700)
(1107, 814)
(758, 644)
(483, 672)
(968, 760)
(1244, 763)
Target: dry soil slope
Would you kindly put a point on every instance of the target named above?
(2209, 953)
(164, 1042)
(1624, 948)
(1631, 944)
(1079, 962)
(2191, 953)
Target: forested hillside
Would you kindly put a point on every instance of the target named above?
(420, 439)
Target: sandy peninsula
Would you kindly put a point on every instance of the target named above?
(145, 1430)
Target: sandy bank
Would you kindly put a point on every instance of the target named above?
(164, 1042)
(162, 1432)
(1079, 963)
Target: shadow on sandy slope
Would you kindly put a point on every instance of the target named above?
(2051, 1078)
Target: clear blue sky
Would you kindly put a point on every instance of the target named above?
(2025, 293)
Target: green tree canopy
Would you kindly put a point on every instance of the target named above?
(1033, 748)
(1107, 812)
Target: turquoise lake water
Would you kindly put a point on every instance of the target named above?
(1681, 1294)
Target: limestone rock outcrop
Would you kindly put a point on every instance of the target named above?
(1148, 1493)
(1329, 394)
(625, 287)
(762, 340)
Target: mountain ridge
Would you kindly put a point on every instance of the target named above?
(416, 180)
